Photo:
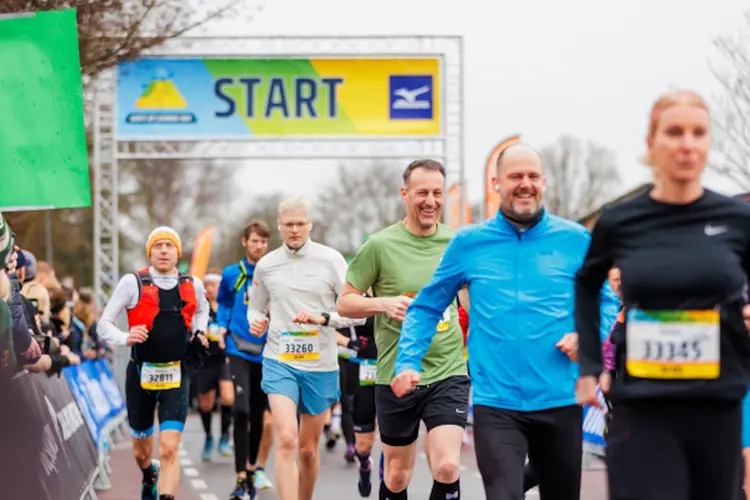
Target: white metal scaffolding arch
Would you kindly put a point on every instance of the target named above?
(447, 146)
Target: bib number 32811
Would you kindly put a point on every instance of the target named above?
(299, 346)
(673, 344)
(161, 376)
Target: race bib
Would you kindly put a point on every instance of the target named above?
(299, 346)
(445, 321)
(161, 376)
(673, 344)
(368, 372)
(213, 334)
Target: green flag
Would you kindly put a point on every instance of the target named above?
(43, 155)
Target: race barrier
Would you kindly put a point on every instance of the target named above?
(103, 408)
(68, 455)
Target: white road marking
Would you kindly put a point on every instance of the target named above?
(209, 496)
(190, 472)
(186, 462)
(198, 484)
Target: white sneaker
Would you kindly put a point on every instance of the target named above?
(261, 482)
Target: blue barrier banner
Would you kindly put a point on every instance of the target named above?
(109, 386)
(97, 394)
(81, 396)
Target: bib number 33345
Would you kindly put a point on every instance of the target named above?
(299, 346)
(161, 376)
(673, 344)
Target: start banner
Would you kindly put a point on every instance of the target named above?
(199, 99)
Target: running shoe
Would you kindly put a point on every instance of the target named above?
(240, 490)
(350, 454)
(148, 489)
(261, 482)
(208, 448)
(224, 449)
(331, 439)
(365, 480)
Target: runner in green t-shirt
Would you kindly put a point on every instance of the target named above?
(396, 263)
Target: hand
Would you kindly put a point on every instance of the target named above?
(73, 358)
(356, 345)
(306, 318)
(405, 382)
(746, 316)
(569, 346)
(12, 261)
(395, 307)
(222, 341)
(34, 350)
(89, 354)
(64, 349)
(138, 335)
(259, 327)
(586, 392)
(201, 338)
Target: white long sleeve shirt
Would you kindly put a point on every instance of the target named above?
(306, 280)
(126, 296)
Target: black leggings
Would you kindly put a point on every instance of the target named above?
(550, 438)
(250, 405)
(675, 450)
(347, 421)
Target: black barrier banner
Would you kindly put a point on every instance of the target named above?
(68, 454)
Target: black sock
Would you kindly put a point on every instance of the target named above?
(386, 494)
(226, 419)
(166, 497)
(206, 417)
(149, 474)
(442, 491)
(364, 461)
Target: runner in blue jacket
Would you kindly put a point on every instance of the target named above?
(519, 268)
(245, 353)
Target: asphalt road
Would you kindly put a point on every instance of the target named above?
(338, 480)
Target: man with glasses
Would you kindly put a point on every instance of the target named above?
(300, 280)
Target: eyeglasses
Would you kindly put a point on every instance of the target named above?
(294, 225)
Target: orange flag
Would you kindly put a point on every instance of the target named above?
(453, 208)
(491, 197)
(202, 251)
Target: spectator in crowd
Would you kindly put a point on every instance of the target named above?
(61, 319)
(84, 311)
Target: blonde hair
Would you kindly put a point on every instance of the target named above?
(4, 286)
(294, 203)
(38, 292)
(664, 102)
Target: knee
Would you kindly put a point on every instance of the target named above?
(141, 453)
(205, 406)
(398, 476)
(308, 455)
(286, 442)
(447, 471)
(168, 451)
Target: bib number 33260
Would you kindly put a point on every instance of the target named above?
(161, 376)
(299, 346)
(673, 344)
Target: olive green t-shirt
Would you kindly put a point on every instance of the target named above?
(395, 262)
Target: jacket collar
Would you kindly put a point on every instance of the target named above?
(502, 222)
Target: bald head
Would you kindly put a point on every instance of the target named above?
(518, 153)
(520, 182)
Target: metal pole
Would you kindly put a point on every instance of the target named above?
(463, 192)
(48, 236)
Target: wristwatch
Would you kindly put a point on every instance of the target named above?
(327, 318)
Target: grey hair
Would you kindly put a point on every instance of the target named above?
(294, 202)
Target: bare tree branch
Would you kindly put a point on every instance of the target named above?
(580, 177)
(731, 112)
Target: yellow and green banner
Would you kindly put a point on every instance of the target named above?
(184, 99)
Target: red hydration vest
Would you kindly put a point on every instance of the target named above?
(147, 308)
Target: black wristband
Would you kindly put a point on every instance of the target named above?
(327, 318)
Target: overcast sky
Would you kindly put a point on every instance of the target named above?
(529, 69)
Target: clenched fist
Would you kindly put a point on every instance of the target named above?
(259, 327)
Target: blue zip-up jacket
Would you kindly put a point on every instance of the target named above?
(522, 300)
(232, 312)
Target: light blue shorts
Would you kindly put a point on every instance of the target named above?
(312, 392)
